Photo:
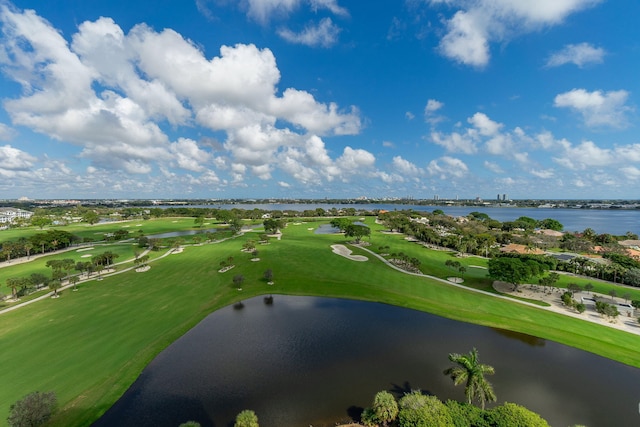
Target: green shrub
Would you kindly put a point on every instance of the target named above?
(512, 415)
(385, 407)
(246, 418)
(418, 410)
(466, 415)
(33, 410)
(368, 418)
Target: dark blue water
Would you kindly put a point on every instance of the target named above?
(315, 361)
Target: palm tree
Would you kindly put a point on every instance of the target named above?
(74, 281)
(588, 287)
(67, 265)
(27, 248)
(108, 258)
(14, 283)
(238, 279)
(54, 285)
(468, 370)
(385, 407)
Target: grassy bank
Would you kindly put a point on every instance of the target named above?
(89, 346)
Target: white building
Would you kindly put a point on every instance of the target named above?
(9, 215)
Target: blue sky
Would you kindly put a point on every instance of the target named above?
(319, 98)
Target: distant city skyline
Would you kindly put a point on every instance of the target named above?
(319, 98)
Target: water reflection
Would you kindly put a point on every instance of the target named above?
(314, 361)
(527, 339)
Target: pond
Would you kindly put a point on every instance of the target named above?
(330, 229)
(304, 361)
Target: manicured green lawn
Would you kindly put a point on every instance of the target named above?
(97, 231)
(125, 251)
(89, 346)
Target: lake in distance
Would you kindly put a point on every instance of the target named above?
(612, 221)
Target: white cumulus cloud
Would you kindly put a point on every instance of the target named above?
(405, 167)
(14, 159)
(112, 93)
(484, 124)
(478, 23)
(455, 142)
(447, 167)
(588, 155)
(597, 108)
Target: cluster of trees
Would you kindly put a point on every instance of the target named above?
(518, 269)
(33, 410)
(60, 271)
(479, 234)
(405, 262)
(416, 409)
(272, 225)
(567, 300)
(226, 263)
(120, 234)
(140, 260)
(351, 229)
(49, 240)
(456, 266)
(619, 268)
(608, 310)
(586, 240)
(246, 418)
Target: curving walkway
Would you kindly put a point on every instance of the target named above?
(630, 325)
(94, 276)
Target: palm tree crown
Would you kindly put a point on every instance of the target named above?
(468, 369)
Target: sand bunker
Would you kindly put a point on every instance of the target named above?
(342, 250)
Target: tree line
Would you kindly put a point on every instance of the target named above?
(60, 272)
(478, 234)
(50, 240)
